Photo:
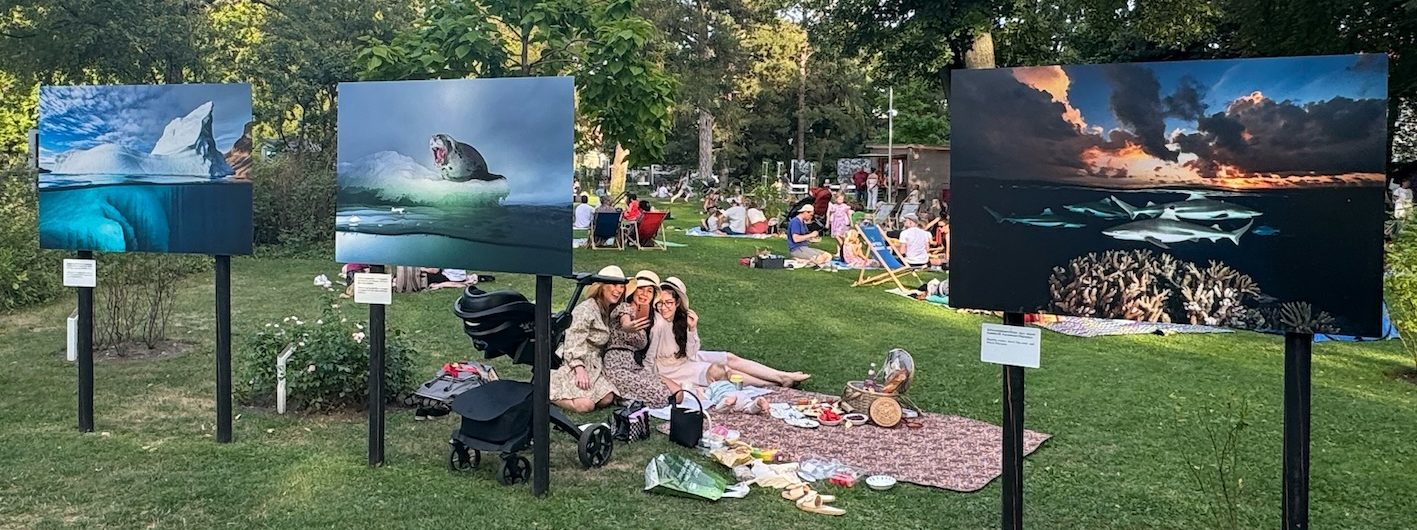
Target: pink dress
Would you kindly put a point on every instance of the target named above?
(839, 218)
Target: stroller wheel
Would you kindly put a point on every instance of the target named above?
(515, 468)
(460, 460)
(595, 445)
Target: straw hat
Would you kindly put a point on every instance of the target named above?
(612, 271)
(676, 284)
(641, 279)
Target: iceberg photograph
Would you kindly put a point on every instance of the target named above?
(145, 168)
(1239, 193)
(470, 174)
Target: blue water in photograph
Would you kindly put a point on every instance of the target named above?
(191, 217)
(145, 168)
(470, 174)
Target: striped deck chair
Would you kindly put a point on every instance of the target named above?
(891, 262)
(883, 212)
(907, 209)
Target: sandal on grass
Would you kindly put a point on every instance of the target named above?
(811, 502)
(797, 491)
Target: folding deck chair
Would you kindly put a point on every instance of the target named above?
(606, 226)
(891, 262)
(647, 233)
(907, 209)
(883, 212)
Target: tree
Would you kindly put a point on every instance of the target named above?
(624, 94)
(88, 41)
(702, 43)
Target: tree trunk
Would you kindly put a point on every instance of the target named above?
(981, 52)
(705, 144)
(619, 166)
(800, 146)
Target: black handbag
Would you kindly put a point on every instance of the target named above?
(685, 426)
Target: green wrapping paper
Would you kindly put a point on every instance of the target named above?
(673, 474)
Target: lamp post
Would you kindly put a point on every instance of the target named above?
(890, 145)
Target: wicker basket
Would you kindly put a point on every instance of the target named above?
(856, 398)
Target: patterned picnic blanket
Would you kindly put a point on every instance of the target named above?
(699, 232)
(1096, 327)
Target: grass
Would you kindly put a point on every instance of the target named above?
(1117, 458)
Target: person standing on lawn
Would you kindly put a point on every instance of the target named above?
(858, 179)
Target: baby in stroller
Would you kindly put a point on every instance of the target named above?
(497, 415)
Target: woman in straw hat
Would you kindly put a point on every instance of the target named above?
(626, 364)
(674, 345)
(579, 384)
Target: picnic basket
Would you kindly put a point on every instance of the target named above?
(858, 398)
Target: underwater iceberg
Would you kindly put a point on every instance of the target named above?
(106, 218)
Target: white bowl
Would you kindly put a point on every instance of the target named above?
(880, 482)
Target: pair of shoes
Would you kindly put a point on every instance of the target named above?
(797, 491)
(812, 502)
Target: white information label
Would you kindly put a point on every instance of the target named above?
(80, 273)
(1013, 345)
(373, 288)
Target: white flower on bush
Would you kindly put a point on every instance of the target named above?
(319, 322)
(358, 336)
(322, 281)
(359, 326)
(310, 368)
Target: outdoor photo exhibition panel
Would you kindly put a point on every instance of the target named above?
(147, 168)
(1244, 193)
(467, 174)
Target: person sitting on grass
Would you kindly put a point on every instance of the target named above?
(854, 253)
(757, 222)
(583, 213)
(914, 244)
(737, 217)
(448, 278)
(714, 222)
(799, 239)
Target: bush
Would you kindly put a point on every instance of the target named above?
(329, 369)
(133, 301)
(28, 275)
(294, 200)
(1402, 289)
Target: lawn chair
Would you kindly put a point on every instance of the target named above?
(891, 262)
(907, 209)
(647, 232)
(606, 226)
(883, 212)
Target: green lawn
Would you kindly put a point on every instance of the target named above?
(1116, 459)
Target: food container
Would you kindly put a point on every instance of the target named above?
(856, 419)
(880, 482)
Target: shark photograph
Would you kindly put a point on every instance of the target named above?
(1240, 193)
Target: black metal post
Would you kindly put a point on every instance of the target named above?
(376, 380)
(1012, 478)
(1298, 351)
(85, 353)
(223, 349)
(541, 391)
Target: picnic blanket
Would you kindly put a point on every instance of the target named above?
(1389, 332)
(1096, 327)
(696, 231)
(949, 452)
(934, 299)
(845, 266)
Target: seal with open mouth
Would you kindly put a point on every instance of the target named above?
(457, 161)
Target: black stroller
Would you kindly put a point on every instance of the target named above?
(496, 416)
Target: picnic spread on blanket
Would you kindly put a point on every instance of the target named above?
(870, 434)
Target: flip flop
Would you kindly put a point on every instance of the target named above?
(813, 503)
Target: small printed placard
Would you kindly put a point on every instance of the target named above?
(373, 288)
(1012, 345)
(80, 273)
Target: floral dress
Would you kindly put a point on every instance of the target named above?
(583, 346)
(632, 381)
